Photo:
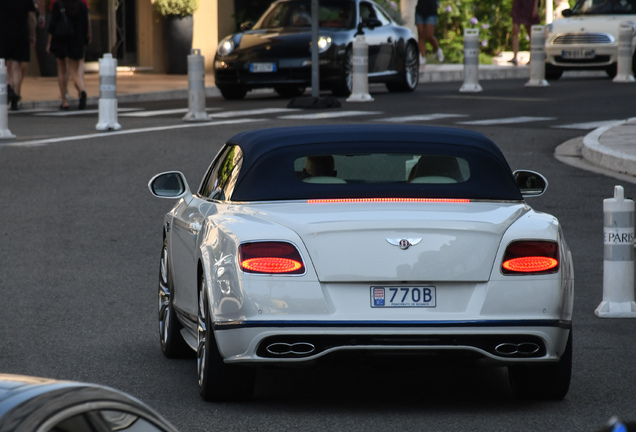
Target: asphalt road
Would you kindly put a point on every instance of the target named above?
(80, 237)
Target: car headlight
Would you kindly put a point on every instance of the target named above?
(226, 46)
(324, 42)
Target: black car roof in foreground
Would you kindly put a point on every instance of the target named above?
(266, 153)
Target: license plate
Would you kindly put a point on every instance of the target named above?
(412, 296)
(578, 54)
(262, 67)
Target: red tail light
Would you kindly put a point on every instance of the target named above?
(270, 258)
(531, 257)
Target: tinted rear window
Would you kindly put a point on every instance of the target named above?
(329, 171)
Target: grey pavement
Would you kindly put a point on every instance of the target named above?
(609, 149)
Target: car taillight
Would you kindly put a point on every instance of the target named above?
(531, 257)
(270, 258)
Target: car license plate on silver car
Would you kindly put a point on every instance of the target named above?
(579, 54)
(412, 296)
(262, 67)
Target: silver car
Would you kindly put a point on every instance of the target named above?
(587, 37)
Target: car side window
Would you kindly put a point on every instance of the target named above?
(366, 11)
(381, 15)
(222, 175)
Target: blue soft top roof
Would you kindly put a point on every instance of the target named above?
(266, 153)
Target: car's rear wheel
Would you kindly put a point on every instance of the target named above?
(410, 71)
(344, 86)
(218, 381)
(172, 343)
(289, 91)
(552, 73)
(543, 382)
(234, 92)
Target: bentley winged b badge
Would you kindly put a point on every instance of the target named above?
(404, 243)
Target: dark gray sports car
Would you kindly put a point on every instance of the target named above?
(276, 51)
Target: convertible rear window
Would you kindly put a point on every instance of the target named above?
(356, 170)
(382, 168)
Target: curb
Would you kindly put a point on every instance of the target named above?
(608, 155)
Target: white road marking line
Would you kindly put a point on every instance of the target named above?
(162, 112)
(508, 120)
(586, 126)
(43, 142)
(29, 111)
(226, 114)
(423, 117)
(80, 112)
(328, 115)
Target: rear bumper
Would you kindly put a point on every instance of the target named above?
(498, 342)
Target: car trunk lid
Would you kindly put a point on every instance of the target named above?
(383, 242)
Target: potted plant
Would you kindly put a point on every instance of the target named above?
(177, 32)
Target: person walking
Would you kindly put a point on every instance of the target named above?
(69, 33)
(426, 21)
(526, 13)
(17, 36)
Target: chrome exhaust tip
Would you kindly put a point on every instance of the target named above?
(286, 349)
(522, 349)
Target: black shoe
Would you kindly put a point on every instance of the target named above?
(64, 107)
(10, 93)
(82, 101)
(14, 102)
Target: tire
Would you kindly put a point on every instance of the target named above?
(345, 86)
(218, 382)
(289, 92)
(547, 382)
(172, 343)
(612, 70)
(233, 92)
(552, 73)
(410, 74)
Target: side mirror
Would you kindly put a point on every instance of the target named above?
(247, 25)
(566, 12)
(371, 23)
(530, 183)
(171, 184)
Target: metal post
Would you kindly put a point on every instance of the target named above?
(618, 250)
(537, 57)
(471, 61)
(196, 88)
(4, 111)
(315, 72)
(107, 94)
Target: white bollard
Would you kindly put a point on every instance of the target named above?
(624, 73)
(4, 109)
(618, 267)
(107, 94)
(471, 61)
(537, 57)
(196, 88)
(360, 79)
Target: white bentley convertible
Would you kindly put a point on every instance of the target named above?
(309, 244)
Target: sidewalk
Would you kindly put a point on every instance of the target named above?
(610, 147)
